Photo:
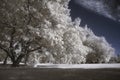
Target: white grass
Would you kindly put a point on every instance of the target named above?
(1, 62)
(70, 66)
(9, 62)
(83, 66)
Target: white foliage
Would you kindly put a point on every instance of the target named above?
(62, 40)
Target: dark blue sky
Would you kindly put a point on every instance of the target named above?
(100, 25)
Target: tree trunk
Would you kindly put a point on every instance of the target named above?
(15, 64)
(17, 61)
(26, 59)
(5, 60)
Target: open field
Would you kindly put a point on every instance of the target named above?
(58, 74)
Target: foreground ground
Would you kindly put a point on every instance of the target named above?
(58, 74)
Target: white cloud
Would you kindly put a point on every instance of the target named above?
(96, 6)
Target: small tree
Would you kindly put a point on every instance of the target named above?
(101, 50)
(118, 58)
(93, 57)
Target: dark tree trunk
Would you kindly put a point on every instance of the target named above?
(15, 64)
(26, 58)
(17, 61)
(5, 60)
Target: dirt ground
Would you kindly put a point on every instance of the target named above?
(58, 74)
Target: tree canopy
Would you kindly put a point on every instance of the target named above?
(41, 31)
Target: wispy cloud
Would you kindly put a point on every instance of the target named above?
(97, 6)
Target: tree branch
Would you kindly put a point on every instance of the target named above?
(34, 49)
(12, 37)
(4, 49)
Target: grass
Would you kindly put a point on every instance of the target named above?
(27, 73)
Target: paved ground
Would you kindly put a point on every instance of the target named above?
(58, 74)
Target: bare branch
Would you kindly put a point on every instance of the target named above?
(4, 49)
(12, 37)
(29, 14)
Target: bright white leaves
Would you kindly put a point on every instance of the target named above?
(63, 41)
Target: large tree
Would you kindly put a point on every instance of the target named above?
(42, 32)
(18, 28)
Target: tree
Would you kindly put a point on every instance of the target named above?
(118, 58)
(19, 34)
(42, 31)
(101, 52)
